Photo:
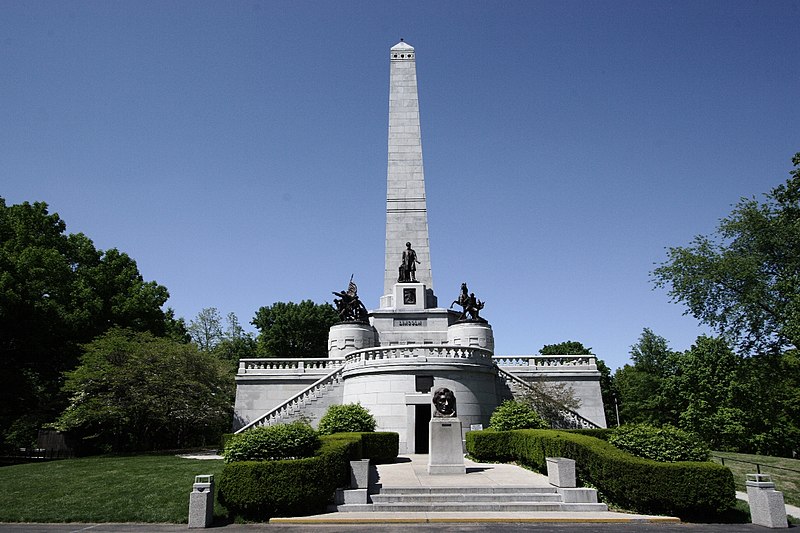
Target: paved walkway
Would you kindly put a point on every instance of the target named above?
(791, 510)
(411, 471)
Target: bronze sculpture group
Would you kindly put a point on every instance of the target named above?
(469, 305)
(349, 306)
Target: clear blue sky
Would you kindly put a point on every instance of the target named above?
(237, 150)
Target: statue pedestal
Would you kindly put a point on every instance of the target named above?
(445, 451)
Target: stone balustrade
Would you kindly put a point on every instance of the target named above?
(408, 351)
(547, 361)
(291, 366)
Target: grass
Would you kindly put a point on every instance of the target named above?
(145, 488)
(785, 481)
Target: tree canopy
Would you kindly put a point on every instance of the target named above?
(134, 391)
(732, 402)
(744, 281)
(565, 348)
(57, 291)
(294, 330)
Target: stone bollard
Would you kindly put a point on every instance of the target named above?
(561, 472)
(201, 502)
(766, 504)
(359, 474)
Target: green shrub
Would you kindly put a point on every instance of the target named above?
(515, 415)
(378, 447)
(598, 433)
(223, 441)
(667, 443)
(259, 490)
(281, 441)
(346, 418)
(685, 489)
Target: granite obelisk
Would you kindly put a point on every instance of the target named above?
(406, 211)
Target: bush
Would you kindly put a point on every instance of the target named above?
(685, 489)
(345, 419)
(598, 433)
(515, 415)
(259, 490)
(378, 447)
(667, 443)
(281, 441)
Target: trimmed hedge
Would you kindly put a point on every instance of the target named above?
(295, 440)
(598, 433)
(258, 490)
(684, 489)
(665, 443)
(377, 446)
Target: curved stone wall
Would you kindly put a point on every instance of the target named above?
(477, 334)
(390, 389)
(349, 337)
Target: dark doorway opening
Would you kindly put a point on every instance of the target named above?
(422, 417)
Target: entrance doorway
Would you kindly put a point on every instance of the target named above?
(422, 418)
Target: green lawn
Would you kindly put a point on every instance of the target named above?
(145, 488)
(785, 481)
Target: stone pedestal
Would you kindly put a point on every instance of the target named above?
(478, 334)
(445, 451)
(201, 502)
(348, 337)
(767, 507)
(561, 472)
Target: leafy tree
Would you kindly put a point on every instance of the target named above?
(641, 386)
(206, 329)
(565, 348)
(709, 386)
(58, 291)
(745, 280)
(294, 330)
(236, 342)
(134, 391)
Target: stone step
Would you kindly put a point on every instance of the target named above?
(468, 490)
(475, 507)
(444, 498)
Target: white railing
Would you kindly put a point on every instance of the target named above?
(412, 351)
(297, 400)
(299, 366)
(566, 418)
(546, 361)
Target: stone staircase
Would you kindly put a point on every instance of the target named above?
(516, 499)
(310, 403)
(560, 417)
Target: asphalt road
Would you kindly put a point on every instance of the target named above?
(394, 528)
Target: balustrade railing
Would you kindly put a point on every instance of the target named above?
(300, 366)
(545, 361)
(409, 351)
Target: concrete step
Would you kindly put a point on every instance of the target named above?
(468, 490)
(458, 507)
(474, 507)
(445, 497)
